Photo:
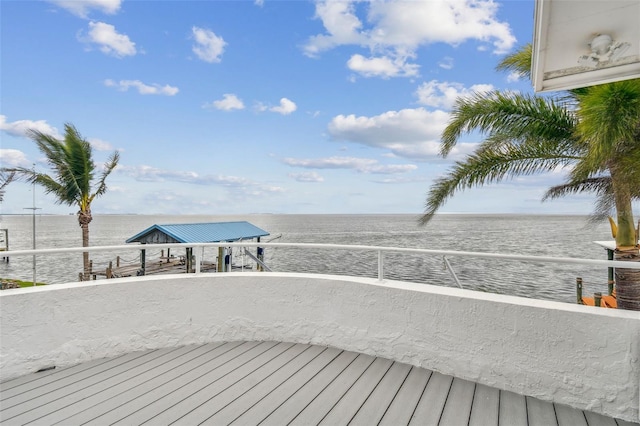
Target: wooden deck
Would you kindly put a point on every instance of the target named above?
(269, 383)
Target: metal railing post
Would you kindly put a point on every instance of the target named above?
(198, 256)
(380, 265)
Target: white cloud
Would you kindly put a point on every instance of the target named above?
(307, 177)
(443, 94)
(384, 66)
(286, 107)
(143, 89)
(394, 30)
(259, 3)
(208, 46)
(20, 127)
(109, 40)
(400, 180)
(446, 63)
(82, 8)
(13, 158)
(362, 165)
(411, 133)
(514, 76)
(245, 186)
(100, 145)
(341, 23)
(229, 102)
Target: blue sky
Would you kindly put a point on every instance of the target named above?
(238, 107)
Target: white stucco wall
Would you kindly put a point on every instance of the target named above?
(585, 357)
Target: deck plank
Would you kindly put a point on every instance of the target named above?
(117, 396)
(260, 410)
(352, 400)
(176, 402)
(485, 407)
(382, 396)
(568, 416)
(329, 397)
(300, 358)
(457, 409)
(274, 383)
(513, 409)
(34, 382)
(431, 404)
(145, 406)
(540, 413)
(62, 393)
(401, 409)
(236, 385)
(594, 419)
(293, 406)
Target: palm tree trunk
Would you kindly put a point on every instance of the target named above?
(627, 280)
(84, 218)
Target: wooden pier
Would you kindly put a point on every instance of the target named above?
(162, 265)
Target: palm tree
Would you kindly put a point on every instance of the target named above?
(72, 179)
(5, 179)
(593, 130)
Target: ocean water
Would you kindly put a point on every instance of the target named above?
(560, 236)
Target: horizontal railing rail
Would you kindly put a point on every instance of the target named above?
(376, 249)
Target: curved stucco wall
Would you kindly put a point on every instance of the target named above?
(584, 357)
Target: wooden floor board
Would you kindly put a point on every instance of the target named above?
(568, 416)
(264, 407)
(268, 383)
(239, 382)
(293, 406)
(317, 409)
(513, 409)
(244, 402)
(204, 389)
(401, 409)
(62, 393)
(485, 406)
(457, 408)
(118, 396)
(431, 404)
(140, 409)
(594, 419)
(540, 413)
(177, 403)
(352, 400)
(36, 381)
(378, 403)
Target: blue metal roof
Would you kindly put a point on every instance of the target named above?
(200, 232)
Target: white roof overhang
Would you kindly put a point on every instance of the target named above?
(579, 43)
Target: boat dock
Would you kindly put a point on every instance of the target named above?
(185, 263)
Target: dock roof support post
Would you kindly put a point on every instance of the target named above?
(143, 261)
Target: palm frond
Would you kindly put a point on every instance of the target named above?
(508, 116)
(108, 167)
(493, 165)
(6, 177)
(609, 118)
(598, 185)
(519, 62)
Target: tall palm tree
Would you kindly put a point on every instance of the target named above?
(593, 130)
(72, 180)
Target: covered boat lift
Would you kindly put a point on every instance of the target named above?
(214, 232)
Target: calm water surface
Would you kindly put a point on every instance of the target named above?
(563, 236)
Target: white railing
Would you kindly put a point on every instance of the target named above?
(376, 249)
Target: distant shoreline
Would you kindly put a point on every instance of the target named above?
(306, 214)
